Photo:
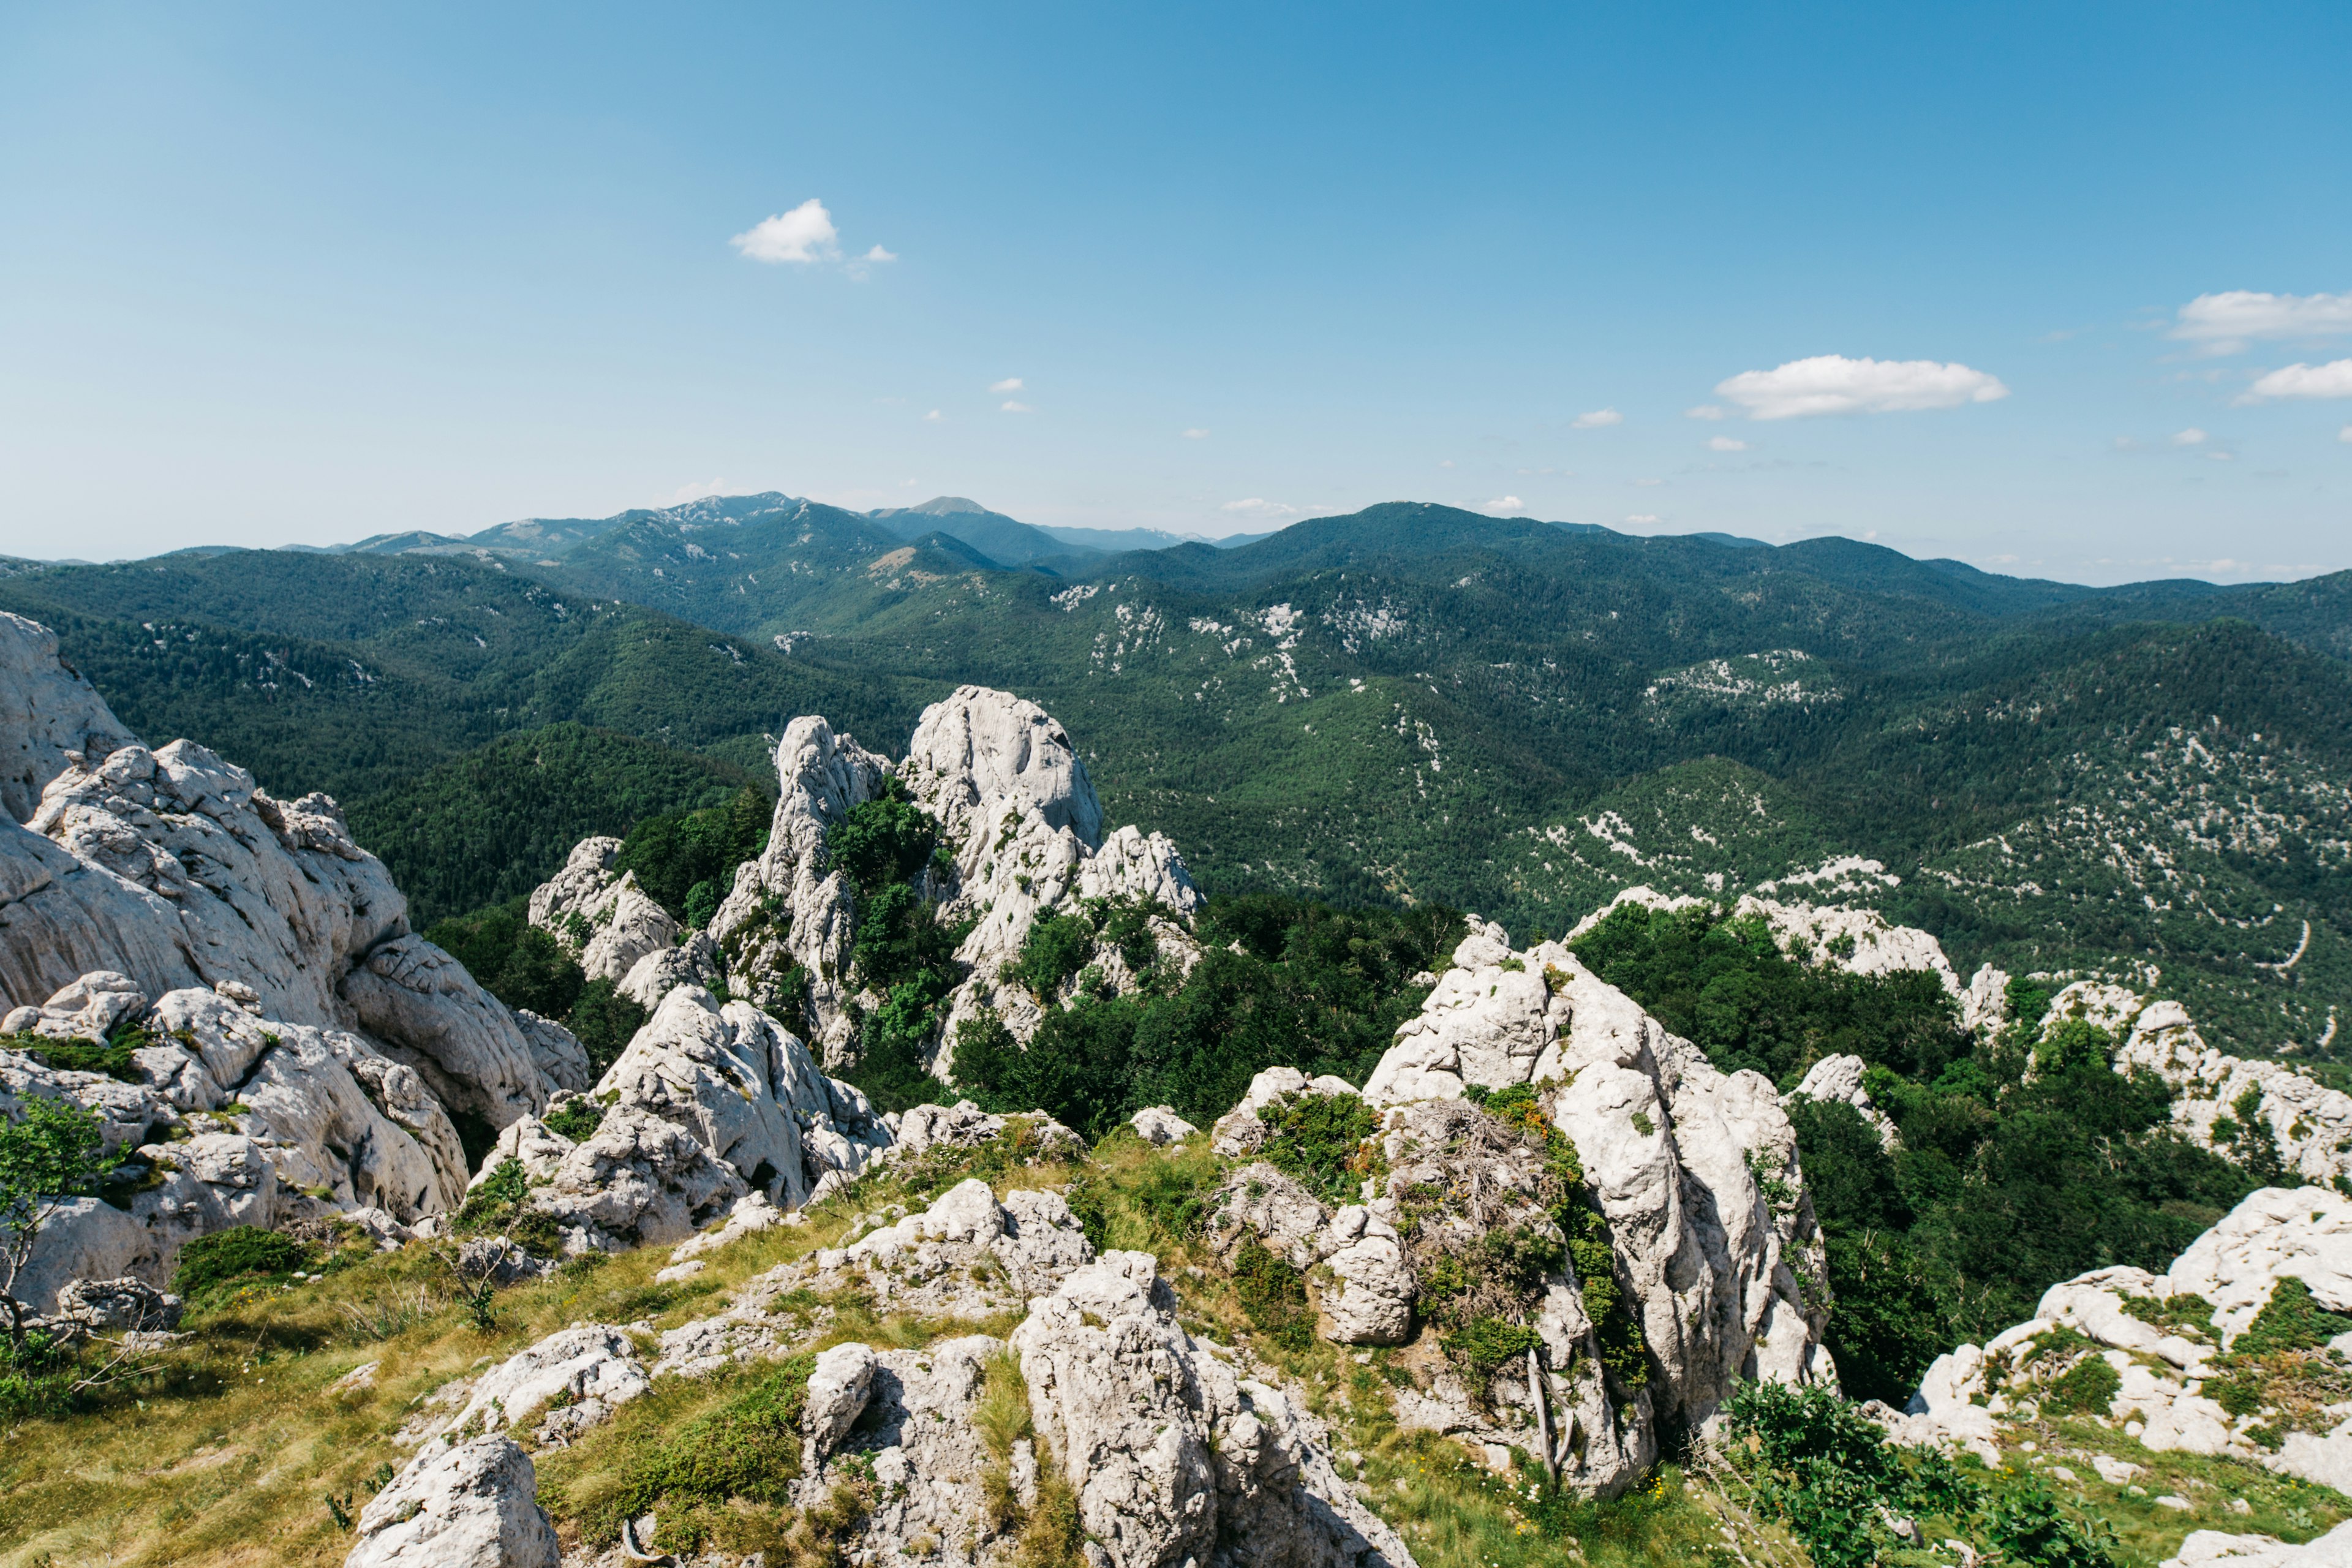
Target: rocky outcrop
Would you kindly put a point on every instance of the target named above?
(556, 1052)
(2216, 1549)
(464, 1505)
(637, 1181)
(1241, 1131)
(2163, 1335)
(748, 1091)
(2231, 1105)
(1176, 1455)
(586, 1372)
(1159, 1125)
(790, 911)
(1693, 1173)
(50, 718)
(967, 1256)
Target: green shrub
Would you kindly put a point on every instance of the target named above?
(749, 1449)
(1485, 1346)
(1055, 949)
(1273, 1295)
(110, 1059)
(605, 1022)
(575, 1119)
(1825, 1470)
(674, 853)
(2084, 1388)
(2029, 1526)
(2290, 1321)
(1320, 1140)
(211, 1263)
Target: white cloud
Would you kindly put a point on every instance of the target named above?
(878, 254)
(2333, 379)
(684, 493)
(2225, 323)
(1646, 484)
(1832, 383)
(2344, 435)
(1641, 517)
(1011, 407)
(1196, 434)
(1010, 384)
(805, 234)
(1704, 411)
(1726, 444)
(1599, 420)
(2192, 437)
(1258, 506)
(1445, 462)
(934, 416)
(1507, 503)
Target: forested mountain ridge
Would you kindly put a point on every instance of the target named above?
(1412, 703)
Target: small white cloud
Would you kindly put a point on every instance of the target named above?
(1445, 462)
(1832, 383)
(1008, 406)
(1258, 506)
(2331, 380)
(2192, 437)
(1507, 503)
(1704, 411)
(934, 416)
(2344, 435)
(878, 254)
(1640, 517)
(1196, 434)
(2222, 456)
(2127, 444)
(684, 493)
(804, 235)
(2226, 323)
(1599, 420)
(1646, 484)
(1726, 444)
(1010, 384)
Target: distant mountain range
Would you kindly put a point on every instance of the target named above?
(1003, 540)
(1409, 703)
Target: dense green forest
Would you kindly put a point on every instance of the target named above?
(1409, 705)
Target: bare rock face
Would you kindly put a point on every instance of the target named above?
(1176, 1456)
(556, 1052)
(636, 1180)
(789, 909)
(2308, 1123)
(2217, 1548)
(1369, 1299)
(592, 1367)
(50, 718)
(1724, 1272)
(465, 1505)
(124, 1305)
(1286, 1219)
(86, 1009)
(748, 1091)
(966, 1256)
(1159, 1125)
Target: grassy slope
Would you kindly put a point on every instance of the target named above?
(227, 1455)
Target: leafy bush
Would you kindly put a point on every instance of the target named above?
(109, 1058)
(1319, 1139)
(2083, 1388)
(2290, 1321)
(884, 841)
(605, 1022)
(1486, 1345)
(749, 1449)
(1055, 949)
(676, 854)
(211, 1263)
(500, 1205)
(2029, 1526)
(1273, 1295)
(575, 1119)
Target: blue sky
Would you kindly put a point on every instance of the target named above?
(278, 274)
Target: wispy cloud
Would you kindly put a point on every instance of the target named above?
(1726, 444)
(934, 416)
(1196, 434)
(2192, 437)
(1599, 420)
(684, 493)
(1010, 384)
(2333, 379)
(1258, 506)
(2344, 435)
(1641, 517)
(1507, 503)
(2226, 323)
(1832, 383)
(1010, 407)
(1704, 411)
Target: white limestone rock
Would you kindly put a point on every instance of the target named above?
(51, 717)
(426, 1009)
(753, 1213)
(1369, 1300)
(2216, 1549)
(1287, 1220)
(1840, 1078)
(838, 1391)
(636, 1180)
(789, 909)
(1860, 942)
(2310, 1125)
(123, 1305)
(556, 1052)
(592, 1366)
(585, 878)
(465, 1505)
(86, 1009)
(2305, 1232)
(1984, 1005)
(1159, 1125)
(966, 1256)
(694, 961)
(748, 1091)
(1174, 1455)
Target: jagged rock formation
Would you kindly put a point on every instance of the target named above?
(2221, 1101)
(50, 718)
(464, 1505)
(1176, 1456)
(1159, 1125)
(2162, 1334)
(2217, 1548)
(1692, 1171)
(1241, 1131)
